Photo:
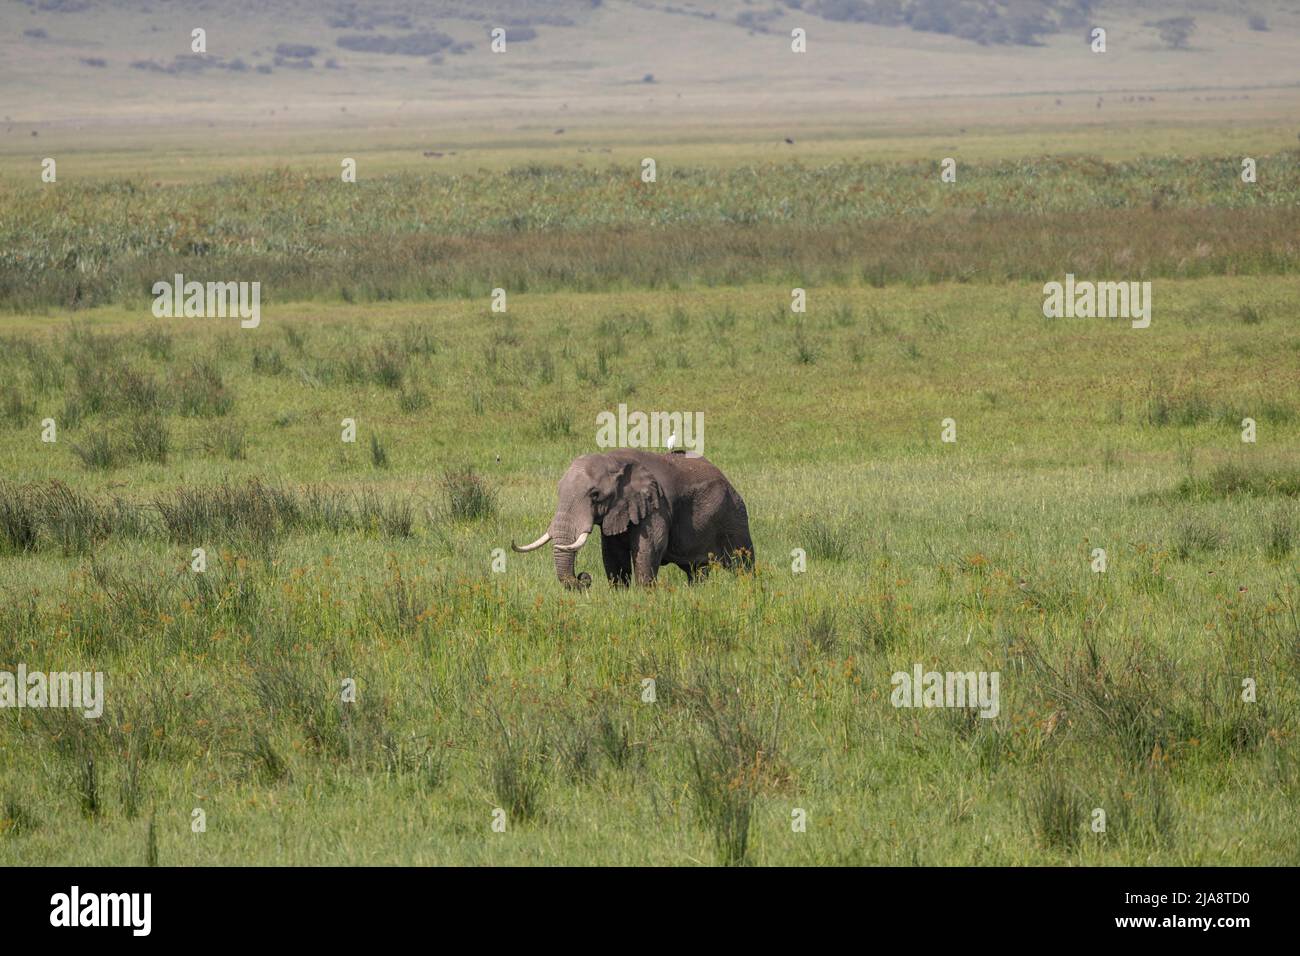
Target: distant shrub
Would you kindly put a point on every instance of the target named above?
(1057, 812)
(735, 755)
(1188, 410)
(824, 538)
(97, 452)
(267, 360)
(468, 495)
(258, 512)
(394, 518)
(413, 44)
(413, 400)
(1174, 31)
(1196, 537)
(383, 365)
(1281, 536)
(296, 50)
(71, 520)
(417, 338)
(157, 343)
(516, 768)
(16, 819)
(254, 509)
(378, 453)
(227, 440)
(15, 410)
(556, 423)
(520, 34)
(148, 439)
(296, 337)
(805, 353)
(202, 391)
(18, 520)
(135, 392)
(1230, 480)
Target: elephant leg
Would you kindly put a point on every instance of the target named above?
(738, 552)
(648, 547)
(694, 571)
(618, 560)
(645, 565)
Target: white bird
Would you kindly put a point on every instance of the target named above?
(672, 441)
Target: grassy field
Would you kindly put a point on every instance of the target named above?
(551, 227)
(479, 690)
(319, 651)
(1183, 123)
(360, 671)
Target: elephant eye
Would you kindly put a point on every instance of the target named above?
(595, 495)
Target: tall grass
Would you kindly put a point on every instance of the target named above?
(469, 498)
(748, 223)
(1121, 690)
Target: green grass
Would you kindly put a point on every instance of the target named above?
(480, 690)
(550, 227)
(364, 673)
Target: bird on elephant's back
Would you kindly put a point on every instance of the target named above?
(653, 509)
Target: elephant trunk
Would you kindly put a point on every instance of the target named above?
(564, 570)
(566, 542)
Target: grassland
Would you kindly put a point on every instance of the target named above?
(546, 227)
(480, 690)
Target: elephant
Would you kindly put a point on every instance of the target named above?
(653, 509)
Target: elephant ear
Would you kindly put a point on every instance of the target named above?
(638, 495)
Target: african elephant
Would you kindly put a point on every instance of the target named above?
(653, 509)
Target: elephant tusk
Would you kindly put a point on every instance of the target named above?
(577, 544)
(531, 547)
